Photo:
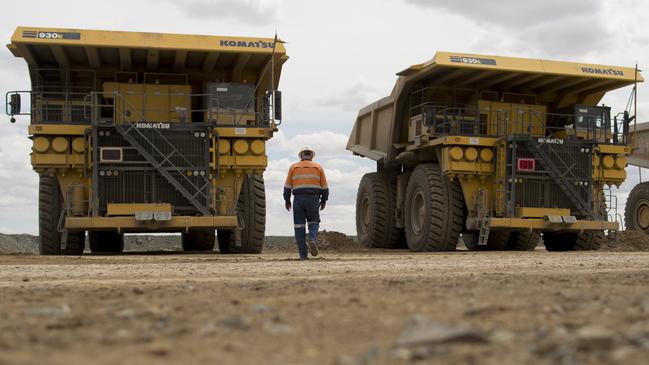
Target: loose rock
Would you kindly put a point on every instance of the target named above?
(420, 330)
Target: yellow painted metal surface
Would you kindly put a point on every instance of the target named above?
(138, 40)
(129, 224)
(57, 129)
(542, 225)
(527, 212)
(523, 65)
(149, 102)
(40, 144)
(227, 132)
(115, 209)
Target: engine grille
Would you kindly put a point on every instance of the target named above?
(539, 188)
(125, 176)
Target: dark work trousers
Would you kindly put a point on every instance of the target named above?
(306, 212)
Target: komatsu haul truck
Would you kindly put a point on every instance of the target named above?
(148, 132)
(498, 150)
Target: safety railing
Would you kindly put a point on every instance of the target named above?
(84, 108)
(442, 120)
(177, 107)
(53, 107)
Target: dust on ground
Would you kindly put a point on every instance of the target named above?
(329, 240)
(627, 241)
(353, 308)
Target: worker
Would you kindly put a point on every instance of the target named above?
(306, 180)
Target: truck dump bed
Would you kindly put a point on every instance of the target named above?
(380, 131)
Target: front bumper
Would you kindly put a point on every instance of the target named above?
(542, 224)
(130, 224)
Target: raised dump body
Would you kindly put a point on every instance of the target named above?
(495, 149)
(148, 132)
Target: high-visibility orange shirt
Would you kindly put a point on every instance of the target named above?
(306, 177)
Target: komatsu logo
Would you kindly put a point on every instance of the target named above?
(151, 125)
(602, 71)
(247, 44)
(550, 140)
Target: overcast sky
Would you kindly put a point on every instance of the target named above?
(343, 55)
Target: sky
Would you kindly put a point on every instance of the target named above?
(343, 55)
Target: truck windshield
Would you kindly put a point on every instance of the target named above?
(231, 96)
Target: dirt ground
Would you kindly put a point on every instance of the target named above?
(348, 308)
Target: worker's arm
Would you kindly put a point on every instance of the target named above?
(324, 195)
(288, 188)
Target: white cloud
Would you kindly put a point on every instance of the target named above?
(555, 28)
(326, 144)
(245, 11)
(354, 97)
(343, 177)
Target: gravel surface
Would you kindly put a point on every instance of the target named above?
(626, 241)
(376, 307)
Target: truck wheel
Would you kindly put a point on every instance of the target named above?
(375, 212)
(571, 241)
(434, 210)
(523, 241)
(252, 210)
(198, 240)
(50, 204)
(106, 241)
(497, 241)
(636, 212)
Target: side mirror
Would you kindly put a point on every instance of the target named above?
(14, 104)
(430, 114)
(277, 104)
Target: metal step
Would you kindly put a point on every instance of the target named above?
(560, 180)
(125, 132)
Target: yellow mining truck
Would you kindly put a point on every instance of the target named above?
(493, 149)
(148, 132)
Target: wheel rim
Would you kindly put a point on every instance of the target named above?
(365, 213)
(418, 212)
(642, 214)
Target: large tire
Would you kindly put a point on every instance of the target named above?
(572, 241)
(106, 242)
(375, 212)
(434, 210)
(523, 241)
(636, 212)
(198, 240)
(50, 204)
(251, 209)
(470, 240)
(497, 241)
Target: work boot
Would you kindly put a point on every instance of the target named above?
(313, 247)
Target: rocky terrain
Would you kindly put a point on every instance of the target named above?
(342, 308)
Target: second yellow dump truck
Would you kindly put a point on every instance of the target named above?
(148, 132)
(498, 150)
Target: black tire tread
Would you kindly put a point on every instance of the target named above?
(573, 241)
(639, 193)
(252, 207)
(446, 217)
(198, 240)
(382, 231)
(49, 211)
(523, 241)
